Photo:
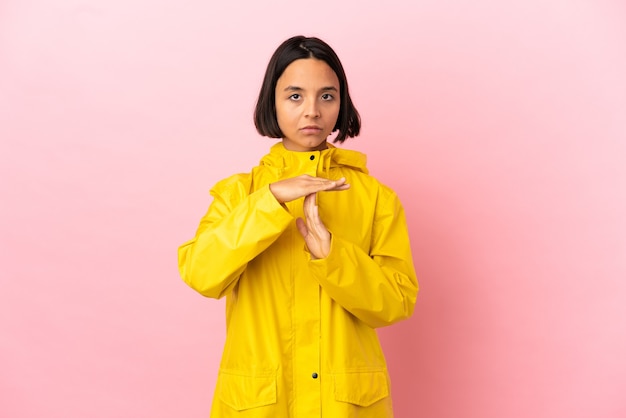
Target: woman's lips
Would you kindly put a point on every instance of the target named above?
(311, 130)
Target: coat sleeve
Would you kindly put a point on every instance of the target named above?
(237, 227)
(379, 288)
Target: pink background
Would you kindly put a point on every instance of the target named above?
(502, 126)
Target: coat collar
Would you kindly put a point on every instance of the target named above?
(282, 158)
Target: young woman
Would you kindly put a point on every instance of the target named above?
(311, 252)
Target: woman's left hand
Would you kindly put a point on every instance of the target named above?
(314, 232)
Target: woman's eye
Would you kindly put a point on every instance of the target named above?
(295, 96)
(327, 96)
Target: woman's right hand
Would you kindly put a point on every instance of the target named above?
(304, 185)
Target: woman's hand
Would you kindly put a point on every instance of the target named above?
(304, 185)
(314, 232)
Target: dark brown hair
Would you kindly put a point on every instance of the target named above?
(300, 47)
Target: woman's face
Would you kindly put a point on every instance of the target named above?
(307, 104)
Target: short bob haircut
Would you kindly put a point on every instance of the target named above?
(300, 47)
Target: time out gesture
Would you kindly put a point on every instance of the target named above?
(315, 234)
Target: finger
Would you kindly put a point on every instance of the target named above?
(311, 210)
(335, 185)
(338, 189)
(315, 224)
(304, 231)
(309, 205)
(311, 214)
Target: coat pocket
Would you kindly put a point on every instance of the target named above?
(245, 390)
(361, 387)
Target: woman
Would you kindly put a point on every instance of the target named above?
(311, 252)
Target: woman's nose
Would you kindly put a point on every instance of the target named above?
(312, 109)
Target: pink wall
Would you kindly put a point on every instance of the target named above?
(501, 126)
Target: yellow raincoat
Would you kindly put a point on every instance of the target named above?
(301, 339)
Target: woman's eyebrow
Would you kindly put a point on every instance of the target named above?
(296, 88)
